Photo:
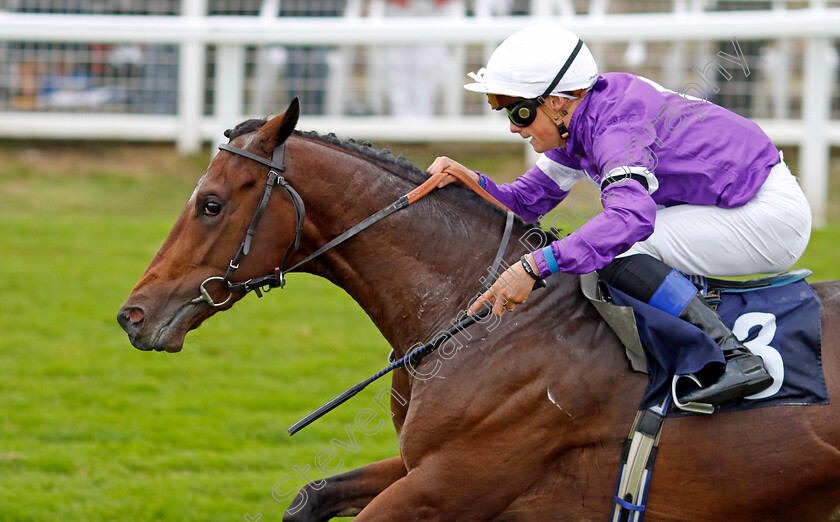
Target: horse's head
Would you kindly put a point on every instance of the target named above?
(167, 302)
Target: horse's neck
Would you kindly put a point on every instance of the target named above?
(413, 272)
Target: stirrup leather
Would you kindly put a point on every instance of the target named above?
(637, 460)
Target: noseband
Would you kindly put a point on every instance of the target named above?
(277, 278)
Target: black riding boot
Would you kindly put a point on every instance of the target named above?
(744, 374)
(652, 281)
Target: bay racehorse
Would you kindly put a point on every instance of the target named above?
(530, 416)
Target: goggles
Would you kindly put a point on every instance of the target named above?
(523, 112)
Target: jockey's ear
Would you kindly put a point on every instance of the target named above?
(279, 128)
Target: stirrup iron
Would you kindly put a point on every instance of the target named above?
(690, 407)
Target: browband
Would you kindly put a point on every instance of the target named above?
(273, 164)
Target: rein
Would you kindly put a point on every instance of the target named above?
(265, 283)
(277, 278)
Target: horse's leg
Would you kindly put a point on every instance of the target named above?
(426, 497)
(345, 494)
(452, 486)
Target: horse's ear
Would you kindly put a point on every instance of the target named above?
(278, 129)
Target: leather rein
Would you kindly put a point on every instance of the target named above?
(277, 278)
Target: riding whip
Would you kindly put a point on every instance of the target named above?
(416, 354)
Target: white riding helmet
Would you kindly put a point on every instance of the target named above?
(525, 64)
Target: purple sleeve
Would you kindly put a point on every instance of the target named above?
(628, 217)
(624, 142)
(531, 196)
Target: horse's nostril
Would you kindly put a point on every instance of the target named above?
(131, 319)
(135, 315)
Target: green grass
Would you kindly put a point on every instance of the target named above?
(92, 429)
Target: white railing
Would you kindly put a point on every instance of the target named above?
(814, 133)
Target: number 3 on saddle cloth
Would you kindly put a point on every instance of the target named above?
(777, 318)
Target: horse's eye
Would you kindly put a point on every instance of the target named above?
(212, 208)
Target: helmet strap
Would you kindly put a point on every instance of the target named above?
(557, 119)
(563, 69)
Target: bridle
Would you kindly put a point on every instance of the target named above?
(277, 278)
(275, 166)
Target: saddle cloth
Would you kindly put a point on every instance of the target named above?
(780, 322)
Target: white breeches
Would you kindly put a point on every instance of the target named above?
(766, 235)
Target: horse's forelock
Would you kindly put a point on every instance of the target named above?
(245, 127)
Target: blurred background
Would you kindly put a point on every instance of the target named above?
(184, 70)
(109, 111)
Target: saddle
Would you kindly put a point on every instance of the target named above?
(623, 322)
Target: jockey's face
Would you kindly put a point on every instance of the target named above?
(543, 131)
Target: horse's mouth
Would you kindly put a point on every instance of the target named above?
(167, 335)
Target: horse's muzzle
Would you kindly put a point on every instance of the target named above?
(132, 319)
(148, 336)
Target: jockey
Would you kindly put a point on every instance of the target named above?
(686, 186)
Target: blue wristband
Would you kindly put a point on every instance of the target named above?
(550, 261)
(481, 181)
